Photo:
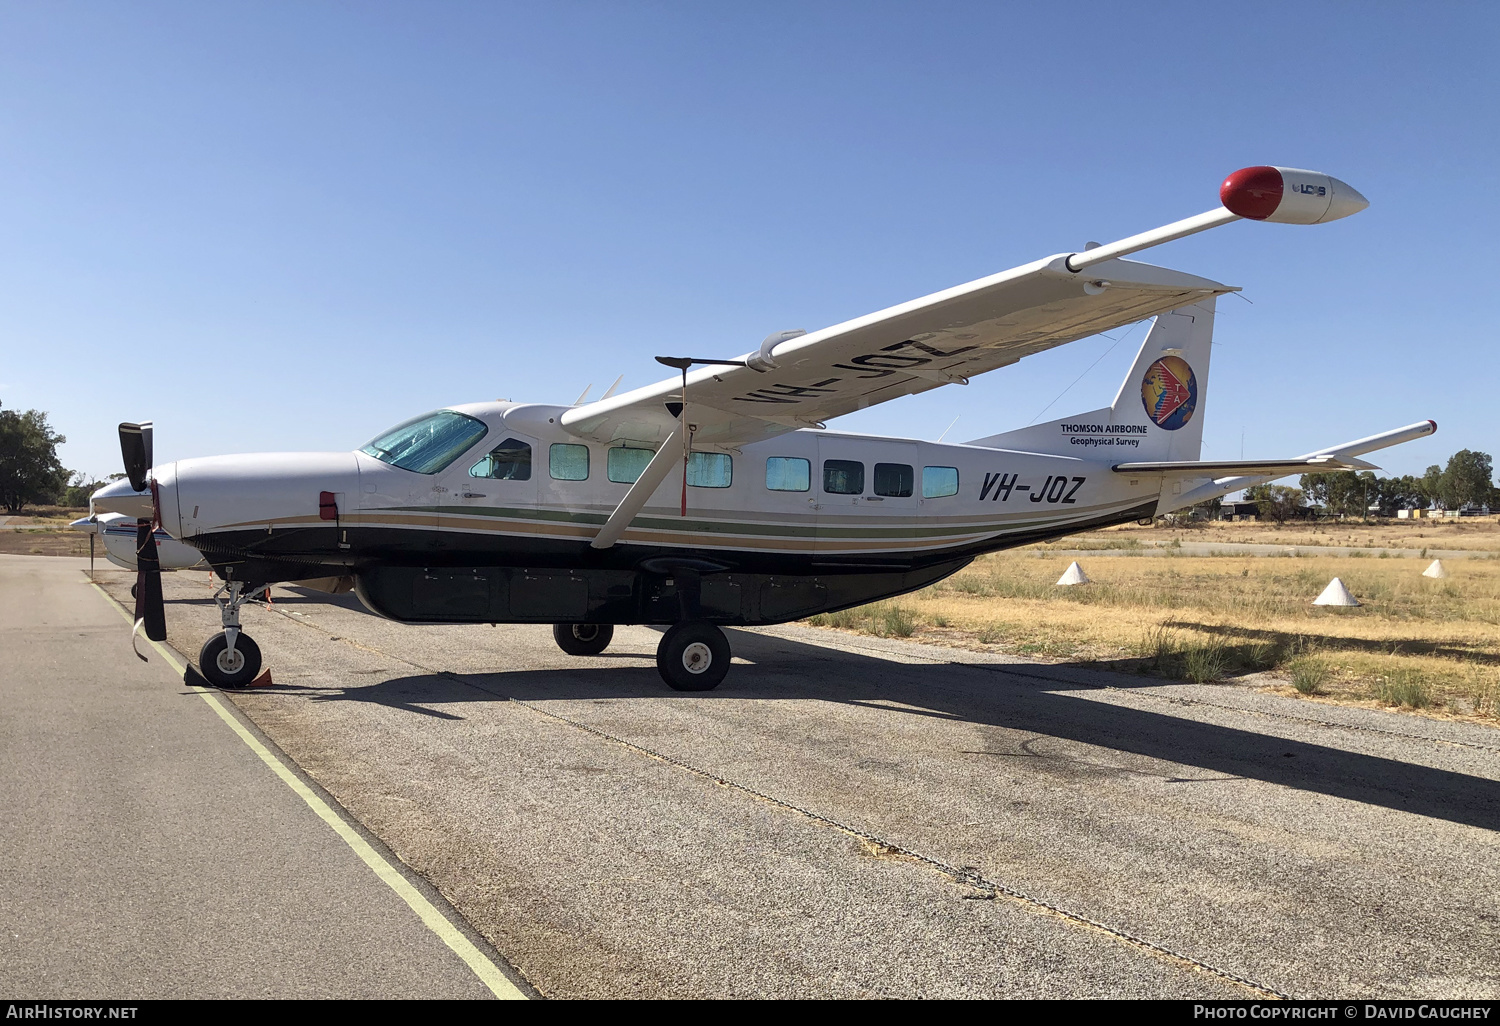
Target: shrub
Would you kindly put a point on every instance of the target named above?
(1309, 675)
(1204, 661)
(895, 621)
(1404, 687)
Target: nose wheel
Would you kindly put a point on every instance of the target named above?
(226, 667)
(693, 656)
(230, 659)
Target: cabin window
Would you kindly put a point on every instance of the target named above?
(788, 474)
(508, 461)
(427, 444)
(624, 464)
(710, 470)
(843, 477)
(939, 481)
(893, 479)
(569, 462)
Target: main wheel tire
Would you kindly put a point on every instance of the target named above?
(583, 638)
(223, 671)
(132, 591)
(693, 656)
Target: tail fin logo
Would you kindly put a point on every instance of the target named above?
(1169, 392)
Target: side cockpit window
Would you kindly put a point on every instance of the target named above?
(508, 461)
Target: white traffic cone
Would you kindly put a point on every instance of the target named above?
(1073, 575)
(1336, 595)
(1435, 570)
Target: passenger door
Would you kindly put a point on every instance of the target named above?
(865, 487)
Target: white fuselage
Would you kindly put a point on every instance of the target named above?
(797, 494)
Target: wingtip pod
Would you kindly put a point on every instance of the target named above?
(1289, 195)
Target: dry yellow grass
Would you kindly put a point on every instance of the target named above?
(1474, 533)
(47, 542)
(1415, 642)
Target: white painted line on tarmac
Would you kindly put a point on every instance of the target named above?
(488, 973)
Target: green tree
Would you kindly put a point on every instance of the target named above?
(1345, 492)
(1432, 485)
(1277, 502)
(29, 468)
(77, 494)
(1468, 480)
(1396, 493)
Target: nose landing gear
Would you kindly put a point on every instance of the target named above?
(231, 659)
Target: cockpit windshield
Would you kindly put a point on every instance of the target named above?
(428, 443)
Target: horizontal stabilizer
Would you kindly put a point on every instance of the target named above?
(1256, 468)
(1334, 458)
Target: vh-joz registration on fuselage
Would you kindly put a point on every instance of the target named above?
(718, 497)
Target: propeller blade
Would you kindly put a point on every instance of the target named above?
(150, 610)
(135, 448)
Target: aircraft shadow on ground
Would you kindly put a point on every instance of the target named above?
(981, 695)
(1327, 642)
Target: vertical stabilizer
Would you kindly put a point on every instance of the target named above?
(1158, 412)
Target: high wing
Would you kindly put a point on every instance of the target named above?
(947, 337)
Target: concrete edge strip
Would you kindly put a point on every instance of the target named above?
(487, 972)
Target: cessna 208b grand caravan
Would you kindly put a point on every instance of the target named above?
(717, 497)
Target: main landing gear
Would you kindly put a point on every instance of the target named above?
(583, 638)
(691, 656)
(231, 659)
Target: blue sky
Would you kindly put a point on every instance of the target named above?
(288, 226)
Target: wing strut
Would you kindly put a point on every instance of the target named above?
(635, 500)
(682, 363)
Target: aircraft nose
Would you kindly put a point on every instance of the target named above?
(251, 492)
(119, 497)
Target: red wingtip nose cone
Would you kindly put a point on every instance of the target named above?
(1253, 192)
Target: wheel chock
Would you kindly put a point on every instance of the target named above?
(263, 681)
